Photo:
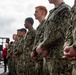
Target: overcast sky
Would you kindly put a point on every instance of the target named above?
(14, 12)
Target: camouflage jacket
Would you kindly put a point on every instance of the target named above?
(56, 24)
(9, 51)
(71, 33)
(20, 47)
(74, 24)
(39, 34)
(29, 40)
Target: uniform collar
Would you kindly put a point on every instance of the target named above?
(57, 6)
(30, 29)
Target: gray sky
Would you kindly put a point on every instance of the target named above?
(14, 12)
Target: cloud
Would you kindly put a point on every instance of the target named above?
(14, 12)
(6, 21)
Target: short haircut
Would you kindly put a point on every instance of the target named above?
(18, 30)
(42, 8)
(23, 30)
(30, 20)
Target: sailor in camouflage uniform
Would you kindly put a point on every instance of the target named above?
(19, 52)
(13, 49)
(70, 43)
(9, 58)
(10, 61)
(28, 45)
(14, 45)
(54, 35)
(40, 14)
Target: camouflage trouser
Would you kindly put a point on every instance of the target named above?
(57, 67)
(29, 68)
(13, 66)
(10, 65)
(39, 67)
(45, 69)
(20, 67)
(74, 69)
(66, 67)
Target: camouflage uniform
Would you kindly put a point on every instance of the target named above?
(9, 59)
(15, 46)
(74, 35)
(13, 60)
(11, 64)
(71, 38)
(29, 63)
(38, 39)
(56, 26)
(19, 57)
